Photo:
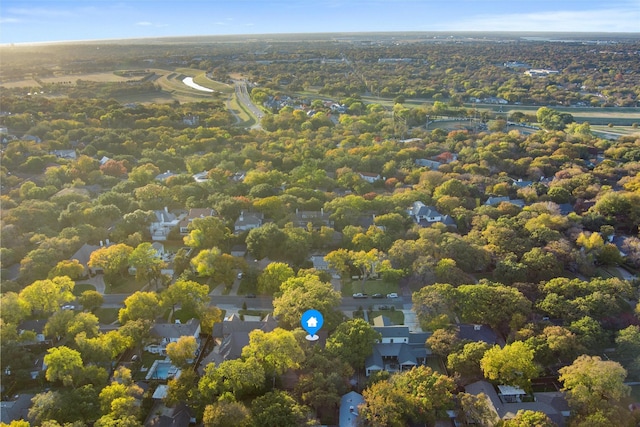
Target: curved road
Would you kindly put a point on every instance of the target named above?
(243, 97)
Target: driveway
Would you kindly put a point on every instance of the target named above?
(97, 281)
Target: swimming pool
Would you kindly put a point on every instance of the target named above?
(162, 370)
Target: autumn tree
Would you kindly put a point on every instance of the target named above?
(148, 264)
(140, 306)
(226, 413)
(512, 365)
(594, 386)
(63, 364)
(49, 295)
(114, 260)
(276, 351)
(182, 352)
(191, 296)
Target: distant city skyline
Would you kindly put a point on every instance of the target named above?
(33, 21)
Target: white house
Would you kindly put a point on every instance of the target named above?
(370, 177)
(165, 333)
(248, 221)
(164, 223)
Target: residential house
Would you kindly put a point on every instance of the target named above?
(521, 183)
(178, 416)
(248, 221)
(467, 332)
(398, 349)
(35, 326)
(370, 177)
(316, 218)
(164, 176)
(507, 401)
(239, 250)
(164, 333)
(232, 335)
(349, 409)
(83, 255)
(427, 215)
(164, 223)
(194, 213)
(201, 176)
(496, 200)
(65, 154)
(431, 164)
(15, 409)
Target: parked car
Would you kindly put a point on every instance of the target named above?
(377, 296)
(360, 295)
(392, 295)
(384, 307)
(251, 295)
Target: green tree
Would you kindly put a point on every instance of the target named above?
(148, 264)
(114, 260)
(512, 365)
(477, 410)
(240, 378)
(443, 341)
(57, 324)
(428, 391)
(182, 352)
(527, 418)
(206, 233)
(69, 267)
(466, 361)
(193, 297)
(265, 241)
(353, 341)
(385, 405)
(140, 306)
(276, 351)
(86, 323)
(277, 409)
(63, 364)
(300, 294)
(226, 414)
(47, 296)
(273, 276)
(592, 384)
(205, 262)
(91, 300)
(13, 308)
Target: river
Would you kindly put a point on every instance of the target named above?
(189, 82)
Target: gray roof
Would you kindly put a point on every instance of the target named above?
(175, 330)
(15, 409)
(349, 409)
(392, 331)
(84, 253)
(553, 404)
(477, 333)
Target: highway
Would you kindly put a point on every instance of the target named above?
(243, 97)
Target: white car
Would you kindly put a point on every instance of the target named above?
(392, 295)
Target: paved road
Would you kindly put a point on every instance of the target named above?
(245, 99)
(266, 303)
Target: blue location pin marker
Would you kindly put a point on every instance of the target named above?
(311, 322)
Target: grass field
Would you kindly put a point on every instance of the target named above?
(370, 287)
(397, 316)
(79, 288)
(107, 315)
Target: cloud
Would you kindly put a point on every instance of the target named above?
(39, 12)
(144, 24)
(603, 20)
(10, 21)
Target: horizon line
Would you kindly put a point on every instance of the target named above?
(53, 42)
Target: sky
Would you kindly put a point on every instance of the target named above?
(29, 21)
